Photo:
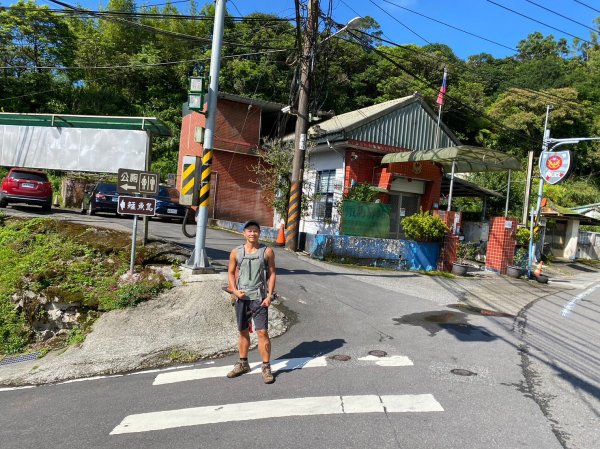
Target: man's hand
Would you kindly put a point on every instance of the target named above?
(240, 294)
(267, 301)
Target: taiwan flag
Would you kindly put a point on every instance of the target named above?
(440, 97)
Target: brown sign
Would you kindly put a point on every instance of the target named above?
(135, 181)
(135, 205)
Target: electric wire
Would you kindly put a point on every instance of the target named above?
(153, 29)
(451, 26)
(537, 21)
(587, 6)
(405, 26)
(476, 112)
(561, 15)
(481, 78)
(129, 66)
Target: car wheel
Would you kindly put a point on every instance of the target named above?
(47, 207)
(3, 203)
(91, 210)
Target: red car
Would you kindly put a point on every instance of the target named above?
(26, 186)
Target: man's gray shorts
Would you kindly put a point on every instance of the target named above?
(245, 310)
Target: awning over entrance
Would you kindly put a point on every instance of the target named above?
(466, 159)
(154, 126)
(463, 188)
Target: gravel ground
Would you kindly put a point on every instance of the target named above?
(178, 326)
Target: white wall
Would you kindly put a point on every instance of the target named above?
(323, 160)
(570, 250)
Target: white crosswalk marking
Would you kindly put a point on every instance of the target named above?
(276, 366)
(221, 371)
(395, 360)
(324, 405)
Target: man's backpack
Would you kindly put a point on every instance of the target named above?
(240, 254)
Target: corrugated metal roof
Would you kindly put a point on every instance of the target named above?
(406, 122)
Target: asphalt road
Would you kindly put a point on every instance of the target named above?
(525, 385)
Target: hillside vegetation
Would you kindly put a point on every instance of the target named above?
(56, 277)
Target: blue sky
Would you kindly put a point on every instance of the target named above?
(480, 17)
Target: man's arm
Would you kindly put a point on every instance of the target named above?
(270, 258)
(231, 275)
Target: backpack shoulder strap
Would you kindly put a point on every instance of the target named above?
(240, 252)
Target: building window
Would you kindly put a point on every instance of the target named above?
(323, 205)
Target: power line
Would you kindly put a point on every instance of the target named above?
(150, 28)
(561, 15)
(476, 112)
(451, 26)
(537, 21)
(405, 26)
(133, 66)
(587, 6)
(481, 78)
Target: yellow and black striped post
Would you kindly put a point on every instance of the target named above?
(189, 181)
(205, 177)
(293, 219)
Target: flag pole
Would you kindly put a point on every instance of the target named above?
(440, 102)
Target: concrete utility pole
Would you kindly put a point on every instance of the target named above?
(199, 260)
(293, 219)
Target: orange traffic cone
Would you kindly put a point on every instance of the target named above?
(280, 237)
(538, 270)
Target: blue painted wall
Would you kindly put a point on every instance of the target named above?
(388, 253)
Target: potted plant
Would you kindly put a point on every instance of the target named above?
(426, 233)
(464, 252)
(517, 269)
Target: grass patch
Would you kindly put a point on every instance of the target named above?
(66, 263)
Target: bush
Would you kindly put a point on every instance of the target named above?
(522, 236)
(424, 227)
(466, 251)
(521, 258)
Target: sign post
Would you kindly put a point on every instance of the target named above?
(135, 205)
(136, 182)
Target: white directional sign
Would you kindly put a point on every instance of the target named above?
(136, 181)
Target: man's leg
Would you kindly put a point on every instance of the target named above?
(244, 343)
(264, 345)
(264, 348)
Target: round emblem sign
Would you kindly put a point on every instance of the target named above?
(554, 162)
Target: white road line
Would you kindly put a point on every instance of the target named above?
(279, 408)
(221, 371)
(394, 360)
(568, 308)
(276, 366)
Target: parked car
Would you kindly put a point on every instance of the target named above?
(167, 204)
(26, 186)
(103, 197)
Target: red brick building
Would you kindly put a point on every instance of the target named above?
(241, 125)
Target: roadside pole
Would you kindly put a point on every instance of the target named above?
(199, 260)
(294, 206)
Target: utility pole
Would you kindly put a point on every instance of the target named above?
(306, 61)
(199, 260)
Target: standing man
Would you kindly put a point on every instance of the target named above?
(252, 281)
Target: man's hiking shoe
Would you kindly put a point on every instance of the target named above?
(267, 375)
(238, 369)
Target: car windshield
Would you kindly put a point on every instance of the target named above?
(106, 188)
(40, 177)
